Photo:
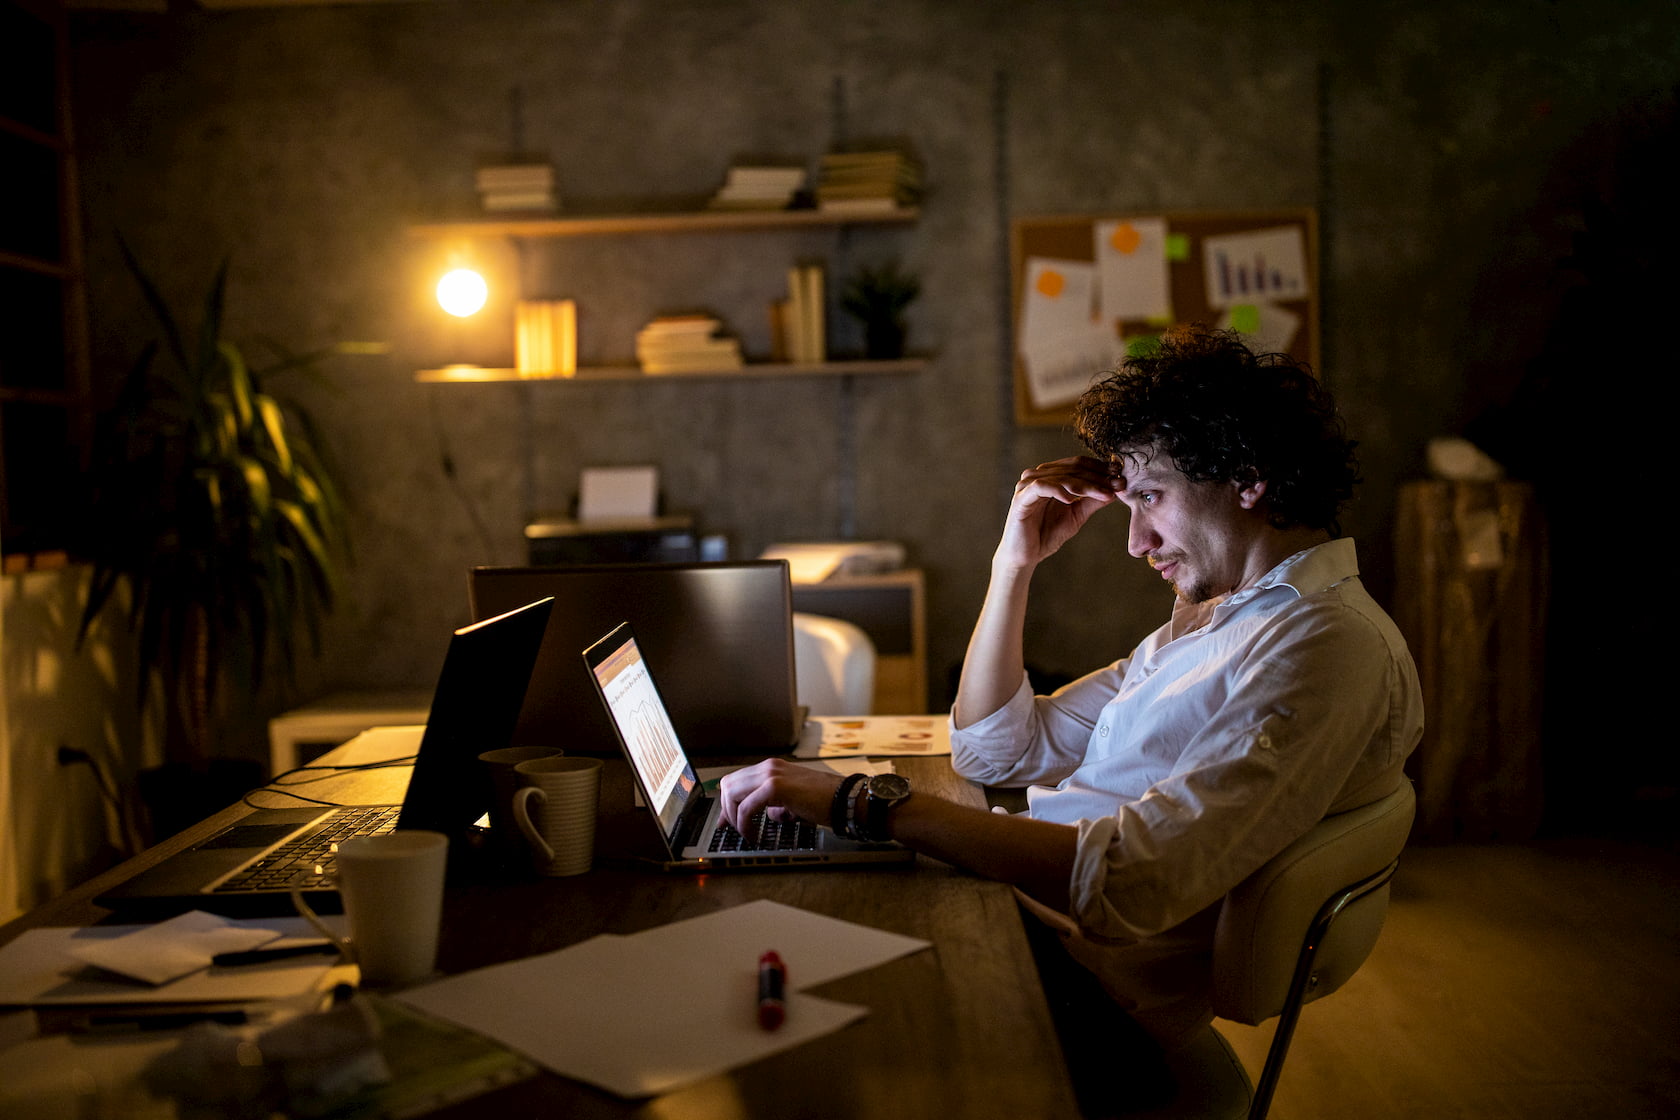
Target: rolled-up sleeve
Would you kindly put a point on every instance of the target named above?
(1034, 740)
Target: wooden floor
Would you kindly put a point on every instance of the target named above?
(1531, 981)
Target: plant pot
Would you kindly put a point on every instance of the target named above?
(884, 340)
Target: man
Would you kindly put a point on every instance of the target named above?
(1278, 691)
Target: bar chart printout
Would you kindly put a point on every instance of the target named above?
(1262, 266)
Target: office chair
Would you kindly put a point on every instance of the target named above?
(834, 666)
(1293, 932)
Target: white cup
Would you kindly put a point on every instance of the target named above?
(392, 887)
(561, 827)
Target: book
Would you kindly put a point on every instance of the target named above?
(545, 337)
(802, 315)
(759, 188)
(686, 343)
(499, 201)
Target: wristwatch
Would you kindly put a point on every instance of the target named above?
(880, 793)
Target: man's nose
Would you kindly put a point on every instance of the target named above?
(1141, 540)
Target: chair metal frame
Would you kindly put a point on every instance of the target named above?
(1304, 980)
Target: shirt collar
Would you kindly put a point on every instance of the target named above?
(1314, 569)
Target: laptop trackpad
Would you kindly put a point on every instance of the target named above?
(249, 836)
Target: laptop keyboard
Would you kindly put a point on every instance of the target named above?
(765, 835)
(308, 860)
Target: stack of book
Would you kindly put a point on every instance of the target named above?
(504, 187)
(759, 188)
(798, 322)
(545, 337)
(686, 344)
(867, 182)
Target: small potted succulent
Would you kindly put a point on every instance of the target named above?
(877, 297)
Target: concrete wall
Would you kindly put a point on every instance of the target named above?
(1449, 147)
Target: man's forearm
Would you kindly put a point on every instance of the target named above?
(994, 663)
(1036, 856)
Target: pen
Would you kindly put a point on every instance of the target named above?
(140, 1020)
(772, 983)
(259, 956)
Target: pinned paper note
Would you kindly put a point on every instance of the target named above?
(1131, 259)
(1255, 267)
(1063, 347)
(1265, 327)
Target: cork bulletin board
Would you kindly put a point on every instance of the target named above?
(1087, 288)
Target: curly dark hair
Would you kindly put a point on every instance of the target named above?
(1225, 414)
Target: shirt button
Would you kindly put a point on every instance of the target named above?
(1103, 731)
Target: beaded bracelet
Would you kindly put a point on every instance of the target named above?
(840, 809)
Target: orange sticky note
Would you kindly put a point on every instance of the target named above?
(1051, 283)
(1125, 239)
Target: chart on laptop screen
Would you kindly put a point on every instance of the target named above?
(646, 727)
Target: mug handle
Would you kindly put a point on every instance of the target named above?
(346, 951)
(522, 818)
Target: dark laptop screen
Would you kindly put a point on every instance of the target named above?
(722, 634)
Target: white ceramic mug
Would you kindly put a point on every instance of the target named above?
(561, 827)
(504, 783)
(392, 887)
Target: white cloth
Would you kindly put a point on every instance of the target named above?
(1225, 735)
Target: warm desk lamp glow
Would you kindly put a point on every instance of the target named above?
(462, 292)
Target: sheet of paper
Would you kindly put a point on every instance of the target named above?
(1131, 257)
(40, 967)
(654, 1011)
(1267, 328)
(618, 493)
(835, 737)
(1063, 346)
(1259, 266)
(170, 949)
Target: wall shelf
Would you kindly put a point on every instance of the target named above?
(593, 374)
(674, 221)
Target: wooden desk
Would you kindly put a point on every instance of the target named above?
(957, 1030)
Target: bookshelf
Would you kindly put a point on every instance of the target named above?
(659, 221)
(602, 223)
(592, 374)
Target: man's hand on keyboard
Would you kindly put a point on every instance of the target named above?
(781, 788)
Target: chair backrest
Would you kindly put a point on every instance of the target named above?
(834, 666)
(1265, 922)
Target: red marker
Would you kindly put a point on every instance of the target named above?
(772, 983)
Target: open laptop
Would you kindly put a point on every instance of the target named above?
(721, 632)
(688, 819)
(250, 867)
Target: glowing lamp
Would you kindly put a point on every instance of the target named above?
(462, 292)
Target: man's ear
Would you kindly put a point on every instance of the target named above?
(1250, 493)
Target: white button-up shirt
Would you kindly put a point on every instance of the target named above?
(1225, 735)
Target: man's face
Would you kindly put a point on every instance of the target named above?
(1195, 534)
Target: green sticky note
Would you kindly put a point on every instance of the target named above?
(1245, 318)
(1178, 246)
(1143, 346)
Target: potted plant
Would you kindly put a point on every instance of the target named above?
(218, 516)
(877, 296)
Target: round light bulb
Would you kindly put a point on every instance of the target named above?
(462, 292)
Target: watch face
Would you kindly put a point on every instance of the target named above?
(889, 786)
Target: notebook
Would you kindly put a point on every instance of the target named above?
(249, 867)
(687, 818)
(721, 632)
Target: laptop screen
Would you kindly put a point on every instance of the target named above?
(663, 772)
